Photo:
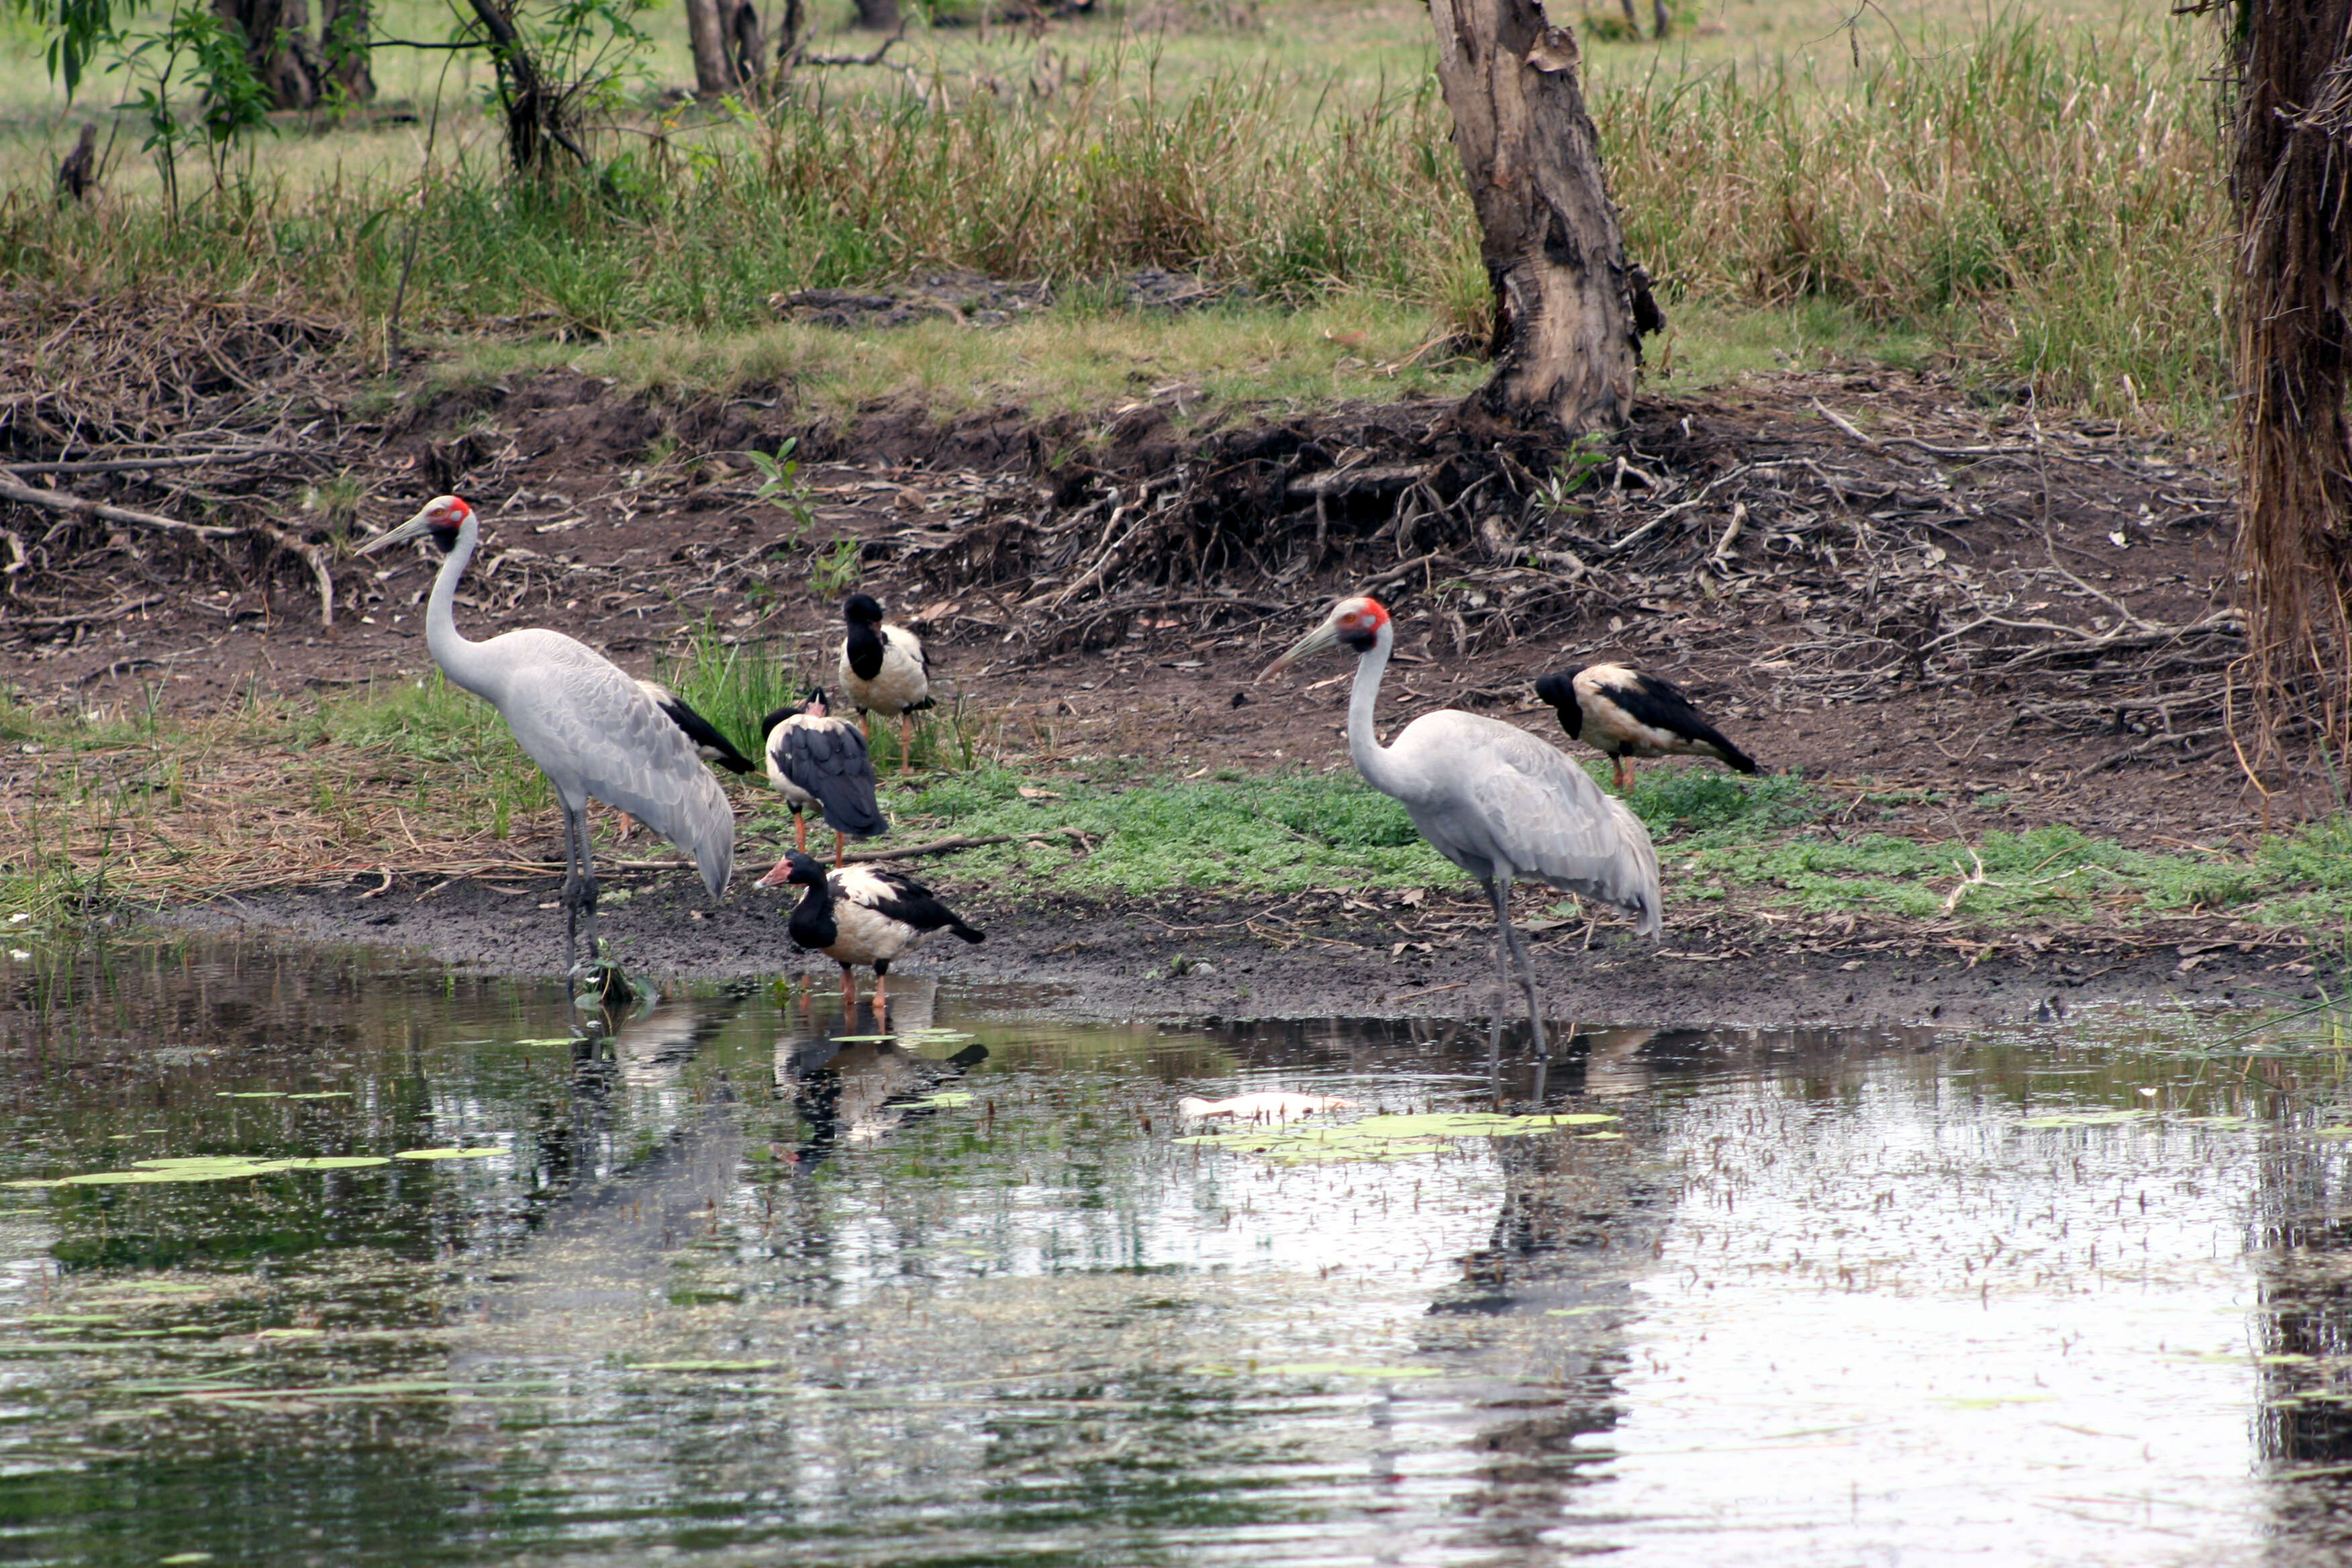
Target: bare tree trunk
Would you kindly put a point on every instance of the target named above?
(278, 46)
(537, 109)
(2292, 183)
(344, 27)
(877, 15)
(746, 46)
(1569, 312)
(714, 75)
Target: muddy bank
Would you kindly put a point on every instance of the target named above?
(1218, 958)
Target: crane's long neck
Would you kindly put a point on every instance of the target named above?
(1372, 759)
(464, 663)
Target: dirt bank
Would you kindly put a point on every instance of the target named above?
(1212, 958)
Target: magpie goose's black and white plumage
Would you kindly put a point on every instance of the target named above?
(883, 670)
(860, 914)
(817, 760)
(1628, 714)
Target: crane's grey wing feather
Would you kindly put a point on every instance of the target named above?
(828, 760)
(1501, 796)
(595, 734)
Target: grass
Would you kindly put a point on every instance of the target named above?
(129, 805)
(2038, 201)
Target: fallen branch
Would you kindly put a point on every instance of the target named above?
(965, 841)
(75, 506)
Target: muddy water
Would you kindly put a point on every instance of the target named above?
(727, 1286)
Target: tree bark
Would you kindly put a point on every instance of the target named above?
(2291, 181)
(278, 46)
(714, 73)
(1569, 311)
(746, 46)
(536, 110)
(344, 33)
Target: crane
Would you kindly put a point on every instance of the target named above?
(710, 744)
(590, 728)
(856, 914)
(885, 670)
(817, 760)
(1491, 799)
(1628, 714)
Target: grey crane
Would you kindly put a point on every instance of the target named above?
(590, 727)
(1492, 798)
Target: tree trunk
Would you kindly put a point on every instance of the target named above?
(537, 111)
(343, 31)
(2292, 183)
(877, 15)
(714, 74)
(279, 47)
(1569, 312)
(747, 45)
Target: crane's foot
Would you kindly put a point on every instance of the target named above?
(600, 982)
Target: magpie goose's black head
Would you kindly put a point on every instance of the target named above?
(863, 609)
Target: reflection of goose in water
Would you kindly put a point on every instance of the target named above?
(856, 1090)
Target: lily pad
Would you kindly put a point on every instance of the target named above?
(945, 1101)
(452, 1154)
(703, 1365)
(1386, 1137)
(2088, 1119)
(860, 1039)
(289, 1334)
(1344, 1368)
(323, 1094)
(2329, 1133)
(338, 1163)
(250, 1094)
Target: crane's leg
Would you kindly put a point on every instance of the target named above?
(1501, 891)
(571, 888)
(587, 885)
(1497, 896)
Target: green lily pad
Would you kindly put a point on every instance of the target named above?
(338, 1163)
(289, 1334)
(947, 1102)
(2329, 1133)
(549, 1040)
(2088, 1119)
(452, 1154)
(1344, 1368)
(860, 1039)
(72, 1318)
(187, 1557)
(703, 1365)
(323, 1094)
(1386, 1137)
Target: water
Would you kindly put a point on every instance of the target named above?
(736, 1290)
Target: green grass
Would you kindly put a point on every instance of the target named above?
(2037, 200)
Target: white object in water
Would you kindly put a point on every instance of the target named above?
(1269, 1106)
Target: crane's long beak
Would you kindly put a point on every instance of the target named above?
(1323, 636)
(413, 528)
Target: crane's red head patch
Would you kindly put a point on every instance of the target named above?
(1358, 621)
